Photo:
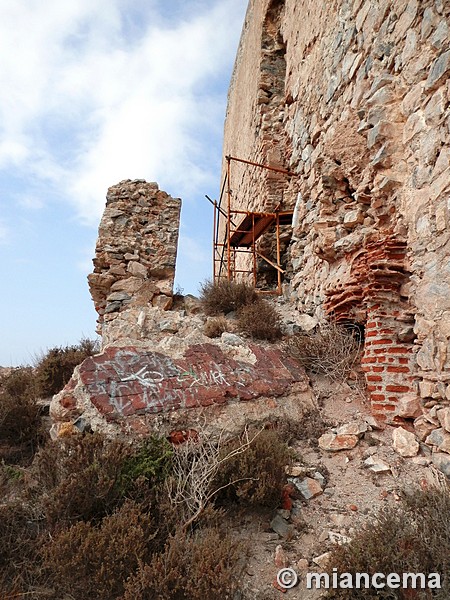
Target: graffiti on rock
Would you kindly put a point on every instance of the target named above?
(127, 381)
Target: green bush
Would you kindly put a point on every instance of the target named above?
(259, 471)
(226, 296)
(260, 320)
(205, 564)
(412, 537)
(55, 368)
(151, 462)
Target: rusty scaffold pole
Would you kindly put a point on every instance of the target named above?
(228, 158)
(214, 240)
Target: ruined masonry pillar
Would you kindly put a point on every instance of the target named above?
(135, 254)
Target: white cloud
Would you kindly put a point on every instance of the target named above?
(88, 104)
(4, 233)
(30, 202)
(193, 252)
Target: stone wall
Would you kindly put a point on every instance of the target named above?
(134, 264)
(157, 370)
(353, 96)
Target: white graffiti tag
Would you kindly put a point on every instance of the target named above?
(146, 377)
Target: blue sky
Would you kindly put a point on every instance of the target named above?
(92, 93)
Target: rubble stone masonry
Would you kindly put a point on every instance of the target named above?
(134, 264)
(353, 97)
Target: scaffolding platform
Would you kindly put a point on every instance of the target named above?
(254, 224)
(241, 232)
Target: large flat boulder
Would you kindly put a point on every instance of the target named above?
(125, 387)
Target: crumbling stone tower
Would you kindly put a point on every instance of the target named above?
(135, 255)
(353, 97)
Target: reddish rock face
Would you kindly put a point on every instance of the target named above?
(129, 381)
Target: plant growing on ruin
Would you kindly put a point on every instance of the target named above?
(256, 476)
(196, 464)
(260, 321)
(226, 296)
(214, 327)
(330, 349)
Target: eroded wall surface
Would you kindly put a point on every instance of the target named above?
(353, 96)
(135, 254)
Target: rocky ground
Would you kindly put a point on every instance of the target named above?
(346, 465)
(335, 492)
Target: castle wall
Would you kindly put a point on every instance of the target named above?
(353, 97)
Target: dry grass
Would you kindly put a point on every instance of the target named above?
(260, 321)
(226, 296)
(331, 350)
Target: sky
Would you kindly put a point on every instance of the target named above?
(92, 93)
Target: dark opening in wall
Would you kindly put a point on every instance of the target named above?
(356, 329)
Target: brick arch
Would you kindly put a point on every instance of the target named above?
(372, 297)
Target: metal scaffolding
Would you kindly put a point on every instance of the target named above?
(242, 230)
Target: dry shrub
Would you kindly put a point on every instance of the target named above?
(19, 382)
(196, 464)
(331, 350)
(80, 477)
(412, 537)
(94, 561)
(260, 320)
(309, 428)
(226, 296)
(19, 546)
(20, 416)
(87, 477)
(258, 473)
(20, 420)
(206, 564)
(55, 368)
(215, 327)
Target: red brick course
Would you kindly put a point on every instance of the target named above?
(376, 276)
